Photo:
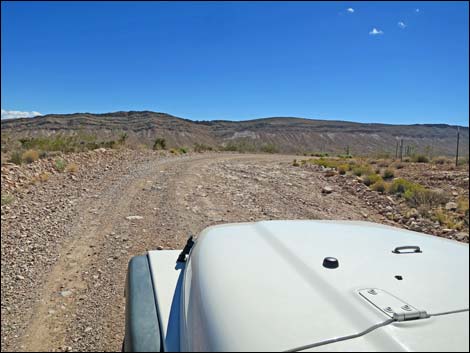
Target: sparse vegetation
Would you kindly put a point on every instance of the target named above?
(123, 138)
(371, 179)
(446, 219)
(416, 194)
(269, 148)
(295, 163)
(419, 158)
(30, 156)
(16, 158)
(343, 168)
(43, 177)
(7, 199)
(60, 165)
(362, 170)
(159, 144)
(71, 168)
(379, 186)
(441, 160)
(200, 147)
(388, 173)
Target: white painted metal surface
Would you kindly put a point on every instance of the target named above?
(167, 278)
(262, 287)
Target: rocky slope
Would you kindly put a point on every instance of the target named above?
(286, 134)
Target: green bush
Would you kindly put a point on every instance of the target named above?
(371, 179)
(379, 186)
(60, 164)
(6, 199)
(326, 162)
(362, 170)
(400, 186)
(419, 158)
(388, 173)
(182, 150)
(159, 144)
(343, 168)
(416, 194)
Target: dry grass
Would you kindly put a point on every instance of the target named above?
(30, 156)
(71, 168)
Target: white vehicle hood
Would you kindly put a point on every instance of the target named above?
(262, 286)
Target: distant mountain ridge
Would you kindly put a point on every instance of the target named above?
(286, 134)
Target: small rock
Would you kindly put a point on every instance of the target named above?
(461, 236)
(327, 190)
(66, 293)
(19, 277)
(130, 218)
(159, 247)
(88, 329)
(451, 206)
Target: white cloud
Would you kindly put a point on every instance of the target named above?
(401, 24)
(350, 10)
(13, 114)
(375, 32)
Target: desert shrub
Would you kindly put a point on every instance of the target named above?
(416, 194)
(379, 186)
(445, 219)
(243, 145)
(30, 156)
(388, 173)
(295, 163)
(407, 159)
(325, 162)
(60, 164)
(425, 199)
(371, 179)
(159, 144)
(44, 176)
(441, 160)
(71, 168)
(182, 150)
(362, 170)
(400, 186)
(419, 158)
(399, 166)
(343, 168)
(123, 138)
(16, 157)
(462, 203)
(269, 148)
(383, 163)
(6, 199)
(200, 147)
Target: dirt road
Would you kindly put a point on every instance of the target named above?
(72, 299)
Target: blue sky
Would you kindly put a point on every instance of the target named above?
(237, 61)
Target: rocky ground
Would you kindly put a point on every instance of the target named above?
(67, 237)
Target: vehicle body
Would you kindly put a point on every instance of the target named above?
(301, 285)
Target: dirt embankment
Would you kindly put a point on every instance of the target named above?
(67, 238)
